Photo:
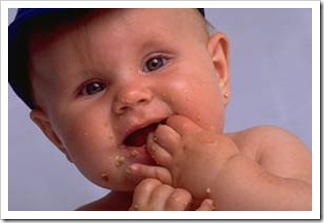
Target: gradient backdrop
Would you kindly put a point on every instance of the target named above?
(271, 84)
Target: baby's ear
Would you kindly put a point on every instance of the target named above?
(40, 118)
(218, 47)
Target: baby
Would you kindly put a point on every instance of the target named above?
(136, 99)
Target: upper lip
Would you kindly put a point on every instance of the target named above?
(136, 127)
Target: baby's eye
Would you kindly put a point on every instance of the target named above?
(154, 63)
(93, 87)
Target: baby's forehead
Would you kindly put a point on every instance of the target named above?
(150, 19)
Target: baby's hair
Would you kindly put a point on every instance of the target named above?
(208, 26)
(211, 29)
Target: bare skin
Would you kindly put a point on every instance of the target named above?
(137, 70)
(240, 177)
(277, 184)
(150, 195)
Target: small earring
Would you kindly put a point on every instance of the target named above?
(226, 95)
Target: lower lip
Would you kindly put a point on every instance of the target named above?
(139, 154)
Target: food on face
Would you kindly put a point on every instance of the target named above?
(104, 176)
(119, 160)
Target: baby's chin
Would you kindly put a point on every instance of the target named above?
(115, 174)
(122, 181)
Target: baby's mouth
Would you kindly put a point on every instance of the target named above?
(139, 137)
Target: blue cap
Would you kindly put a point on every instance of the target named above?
(18, 36)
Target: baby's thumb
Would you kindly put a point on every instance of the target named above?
(144, 171)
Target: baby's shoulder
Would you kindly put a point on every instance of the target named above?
(275, 149)
(250, 141)
(265, 135)
(265, 139)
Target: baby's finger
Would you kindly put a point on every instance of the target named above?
(168, 138)
(141, 171)
(207, 205)
(153, 195)
(183, 125)
(143, 192)
(160, 155)
(159, 197)
(179, 200)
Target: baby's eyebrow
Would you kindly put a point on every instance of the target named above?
(153, 43)
(89, 73)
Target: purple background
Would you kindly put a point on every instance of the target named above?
(271, 84)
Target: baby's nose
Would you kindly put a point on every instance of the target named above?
(131, 97)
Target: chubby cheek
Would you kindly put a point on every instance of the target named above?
(101, 162)
(199, 100)
(93, 150)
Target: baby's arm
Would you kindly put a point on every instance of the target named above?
(281, 173)
(246, 185)
(210, 165)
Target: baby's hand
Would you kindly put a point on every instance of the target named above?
(192, 155)
(152, 195)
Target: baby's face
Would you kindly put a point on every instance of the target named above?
(104, 86)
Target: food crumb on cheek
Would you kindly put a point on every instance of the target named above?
(119, 160)
(104, 176)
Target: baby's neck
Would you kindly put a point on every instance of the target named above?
(119, 201)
